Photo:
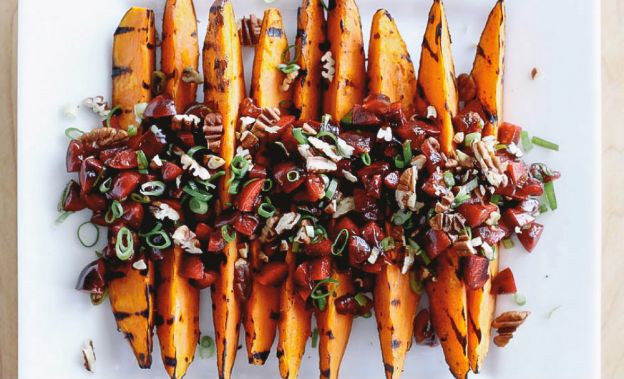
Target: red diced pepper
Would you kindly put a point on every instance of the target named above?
(436, 241)
(249, 197)
(376, 103)
(373, 233)
(74, 156)
(503, 283)
(123, 160)
(508, 133)
(124, 184)
(359, 250)
(94, 201)
(490, 234)
(517, 217)
(532, 187)
(366, 205)
(281, 176)
(318, 249)
(73, 202)
(170, 171)
(192, 267)
(320, 268)
(518, 173)
(344, 222)
(216, 243)
(476, 214)
(272, 274)
(475, 270)
(530, 236)
(246, 224)
(133, 214)
(315, 187)
(209, 278)
(202, 231)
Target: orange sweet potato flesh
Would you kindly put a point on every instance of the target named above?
(390, 68)
(447, 304)
(177, 307)
(179, 51)
(293, 325)
(261, 313)
(133, 62)
(224, 90)
(488, 75)
(436, 75)
(488, 68)
(132, 299)
(266, 78)
(344, 33)
(334, 329)
(309, 45)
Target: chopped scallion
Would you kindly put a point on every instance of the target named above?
(526, 141)
(82, 240)
(340, 242)
(544, 143)
(549, 189)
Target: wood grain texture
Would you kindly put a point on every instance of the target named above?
(613, 181)
(8, 190)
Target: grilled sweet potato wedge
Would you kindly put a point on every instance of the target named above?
(436, 75)
(309, 45)
(344, 33)
(224, 90)
(180, 51)
(334, 328)
(293, 324)
(487, 73)
(272, 48)
(177, 307)
(131, 296)
(395, 308)
(488, 68)
(133, 62)
(390, 68)
(261, 313)
(447, 304)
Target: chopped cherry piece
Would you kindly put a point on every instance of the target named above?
(394, 114)
(91, 278)
(475, 270)
(530, 236)
(303, 281)
(365, 205)
(160, 106)
(258, 172)
(359, 250)
(503, 283)
(133, 214)
(246, 224)
(249, 109)
(202, 231)
(423, 330)
(373, 234)
(272, 274)
(242, 280)
(320, 268)
(315, 187)
(476, 214)
(490, 234)
(209, 278)
(151, 144)
(73, 202)
(216, 243)
(517, 218)
(375, 168)
(532, 187)
(281, 176)
(433, 183)
(372, 186)
(90, 169)
(318, 249)
(468, 121)
(124, 184)
(192, 267)
(391, 180)
(436, 241)
(360, 116)
(508, 133)
(186, 138)
(287, 137)
(361, 143)
(434, 158)
(344, 222)
(347, 304)
(170, 171)
(74, 156)
(518, 173)
(94, 201)
(508, 190)
(249, 197)
(376, 103)
(123, 160)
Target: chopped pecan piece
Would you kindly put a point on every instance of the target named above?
(506, 324)
(103, 137)
(249, 30)
(213, 130)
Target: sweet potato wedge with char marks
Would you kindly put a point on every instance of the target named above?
(447, 304)
(334, 328)
(488, 68)
(266, 78)
(293, 325)
(260, 314)
(177, 307)
(390, 68)
(224, 90)
(133, 62)
(309, 45)
(131, 294)
(180, 51)
(344, 33)
(487, 72)
(436, 75)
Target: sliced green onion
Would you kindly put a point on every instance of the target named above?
(288, 68)
(361, 299)
(82, 240)
(549, 189)
(400, 217)
(64, 194)
(196, 192)
(317, 293)
(233, 187)
(527, 145)
(139, 198)
(239, 166)
(496, 199)
(110, 115)
(106, 185)
(415, 285)
(299, 136)
(62, 217)
(268, 185)
(331, 189)
(158, 240)
(543, 208)
(266, 210)
(471, 138)
(519, 298)
(194, 150)
(114, 212)
(132, 131)
(206, 347)
(448, 178)
(387, 243)
(501, 146)
(544, 143)
(280, 144)
(460, 198)
(153, 188)
(331, 135)
(293, 176)
(321, 303)
(508, 243)
(325, 120)
(225, 232)
(198, 206)
(124, 246)
(340, 242)
(73, 133)
(216, 175)
(287, 50)
(407, 151)
(367, 315)
(142, 161)
(155, 229)
(315, 337)
(399, 162)
(366, 159)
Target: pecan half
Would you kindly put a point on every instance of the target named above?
(103, 137)
(249, 30)
(405, 194)
(213, 130)
(506, 324)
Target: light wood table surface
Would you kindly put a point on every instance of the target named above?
(613, 197)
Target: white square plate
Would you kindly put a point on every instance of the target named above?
(64, 57)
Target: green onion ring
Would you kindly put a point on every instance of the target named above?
(153, 188)
(407, 151)
(266, 210)
(110, 115)
(62, 217)
(149, 240)
(299, 136)
(73, 133)
(331, 189)
(142, 161)
(322, 295)
(197, 206)
(225, 232)
(233, 187)
(124, 246)
(268, 185)
(361, 299)
(315, 335)
(194, 150)
(195, 192)
(293, 176)
(106, 185)
(400, 217)
(366, 159)
(139, 198)
(97, 234)
(415, 285)
(387, 243)
(337, 247)
(132, 131)
(206, 347)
